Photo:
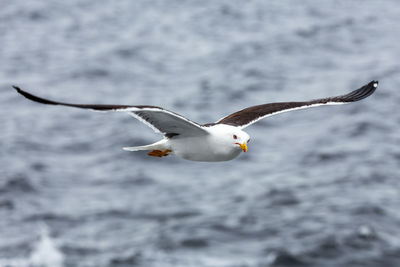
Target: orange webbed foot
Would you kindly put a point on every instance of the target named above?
(159, 153)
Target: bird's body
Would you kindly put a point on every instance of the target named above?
(216, 145)
(220, 141)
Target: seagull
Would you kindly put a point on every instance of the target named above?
(219, 141)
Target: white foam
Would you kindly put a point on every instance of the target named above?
(46, 253)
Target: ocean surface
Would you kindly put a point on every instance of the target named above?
(318, 187)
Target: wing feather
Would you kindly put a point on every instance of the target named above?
(159, 119)
(250, 115)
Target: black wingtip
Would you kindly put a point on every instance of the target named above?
(20, 91)
(17, 88)
(373, 85)
(361, 93)
(86, 106)
(33, 97)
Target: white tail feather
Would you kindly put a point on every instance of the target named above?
(160, 145)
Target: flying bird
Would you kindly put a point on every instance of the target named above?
(219, 141)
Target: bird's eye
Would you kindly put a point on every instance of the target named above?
(248, 141)
(234, 136)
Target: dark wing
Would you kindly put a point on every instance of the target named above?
(159, 119)
(250, 115)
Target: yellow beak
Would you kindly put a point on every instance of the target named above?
(243, 146)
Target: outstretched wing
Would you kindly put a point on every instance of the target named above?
(160, 120)
(250, 115)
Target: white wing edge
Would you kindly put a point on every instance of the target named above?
(291, 109)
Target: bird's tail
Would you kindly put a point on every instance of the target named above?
(160, 145)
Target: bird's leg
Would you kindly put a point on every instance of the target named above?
(159, 153)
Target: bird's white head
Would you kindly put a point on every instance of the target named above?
(240, 138)
(232, 136)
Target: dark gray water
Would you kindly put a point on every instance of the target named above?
(318, 187)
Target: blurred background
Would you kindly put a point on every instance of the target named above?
(318, 187)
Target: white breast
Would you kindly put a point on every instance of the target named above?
(212, 147)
